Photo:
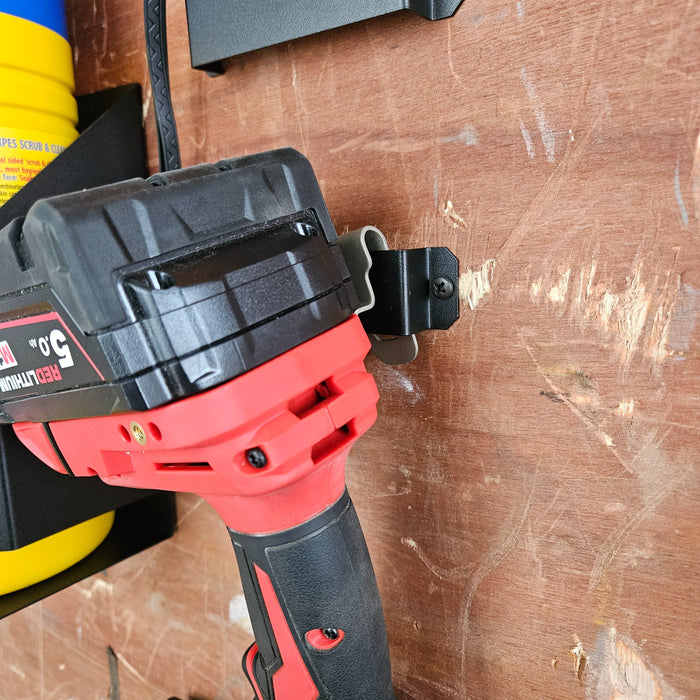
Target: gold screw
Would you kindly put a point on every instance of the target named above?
(138, 432)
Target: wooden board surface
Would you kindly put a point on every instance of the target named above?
(530, 491)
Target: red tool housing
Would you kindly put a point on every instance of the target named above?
(303, 410)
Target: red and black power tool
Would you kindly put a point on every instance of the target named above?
(196, 332)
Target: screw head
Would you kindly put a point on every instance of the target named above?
(256, 457)
(443, 288)
(330, 633)
(138, 432)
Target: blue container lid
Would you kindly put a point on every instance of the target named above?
(47, 13)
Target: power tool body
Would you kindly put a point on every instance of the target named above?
(195, 332)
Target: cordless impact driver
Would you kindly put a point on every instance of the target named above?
(196, 332)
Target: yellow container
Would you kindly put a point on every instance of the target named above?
(42, 559)
(38, 119)
(38, 113)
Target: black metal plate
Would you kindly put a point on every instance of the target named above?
(220, 29)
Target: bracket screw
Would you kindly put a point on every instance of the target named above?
(443, 288)
(256, 457)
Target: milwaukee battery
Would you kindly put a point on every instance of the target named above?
(130, 296)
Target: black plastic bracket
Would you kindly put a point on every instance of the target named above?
(110, 148)
(220, 29)
(415, 290)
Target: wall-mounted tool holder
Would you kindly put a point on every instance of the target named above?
(36, 502)
(400, 292)
(220, 29)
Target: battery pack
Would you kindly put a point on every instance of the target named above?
(133, 295)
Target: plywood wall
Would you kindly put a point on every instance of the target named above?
(530, 491)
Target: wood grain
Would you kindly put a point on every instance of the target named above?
(530, 491)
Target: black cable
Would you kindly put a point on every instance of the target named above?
(157, 53)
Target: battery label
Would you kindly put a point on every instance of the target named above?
(39, 354)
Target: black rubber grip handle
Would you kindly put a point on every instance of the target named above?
(315, 610)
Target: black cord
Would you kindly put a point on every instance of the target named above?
(157, 52)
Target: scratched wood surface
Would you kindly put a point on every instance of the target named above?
(530, 491)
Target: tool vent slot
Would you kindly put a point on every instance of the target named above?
(184, 467)
(305, 402)
(331, 444)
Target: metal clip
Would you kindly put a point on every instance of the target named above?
(401, 292)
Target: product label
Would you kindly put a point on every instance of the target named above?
(23, 154)
(40, 354)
